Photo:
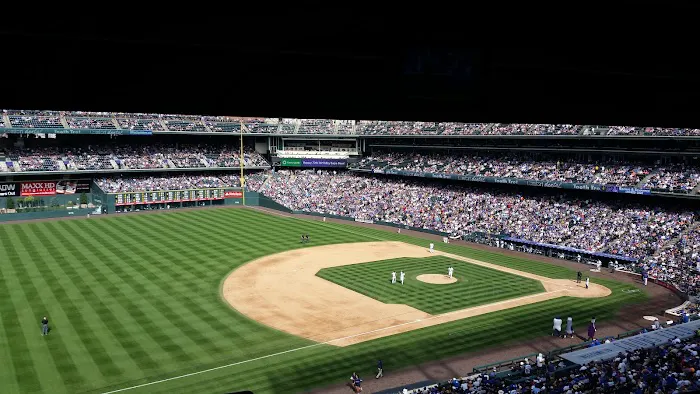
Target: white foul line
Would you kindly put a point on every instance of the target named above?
(319, 343)
(260, 358)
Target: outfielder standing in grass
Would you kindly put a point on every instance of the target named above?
(44, 326)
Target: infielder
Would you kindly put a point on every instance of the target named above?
(432, 246)
(588, 280)
(393, 277)
(450, 271)
(402, 276)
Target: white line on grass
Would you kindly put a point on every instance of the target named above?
(318, 344)
(257, 358)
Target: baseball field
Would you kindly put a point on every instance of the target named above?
(219, 300)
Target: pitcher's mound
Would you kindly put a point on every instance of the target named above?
(436, 279)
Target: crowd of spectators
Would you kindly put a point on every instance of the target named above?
(451, 128)
(185, 125)
(141, 124)
(677, 263)
(531, 129)
(316, 126)
(677, 178)
(669, 368)
(669, 178)
(630, 130)
(131, 157)
(196, 123)
(40, 122)
(90, 123)
(617, 227)
(32, 160)
(157, 183)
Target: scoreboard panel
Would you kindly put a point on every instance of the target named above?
(168, 196)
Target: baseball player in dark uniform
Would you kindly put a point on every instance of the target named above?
(44, 326)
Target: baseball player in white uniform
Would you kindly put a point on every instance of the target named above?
(450, 271)
(402, 276)
(393, 277)
(588, 281)
(432, 246)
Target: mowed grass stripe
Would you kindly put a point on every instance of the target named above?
(91, 285)
(8, 373)
(213, 342)
(110, 321)
(192, 253)
(76, 341)
(133, 337)
(476, 285)
(162, 317)
(18, 370)
(284, 232)
(29, 310)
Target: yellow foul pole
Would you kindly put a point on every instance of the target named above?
(240, 161)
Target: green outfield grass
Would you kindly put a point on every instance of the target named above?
(136, 299)
(476, 285)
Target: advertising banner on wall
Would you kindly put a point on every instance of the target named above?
(233, 194)
(44, 188)
(334, 163)
(72, 187)
(9, 189)
(290, 162)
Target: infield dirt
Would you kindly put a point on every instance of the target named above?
(282, 291)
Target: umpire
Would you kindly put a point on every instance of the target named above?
(44, 326)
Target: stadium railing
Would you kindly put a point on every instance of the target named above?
(486, 368)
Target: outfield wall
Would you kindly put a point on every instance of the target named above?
(60, 199)
(61, 213)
